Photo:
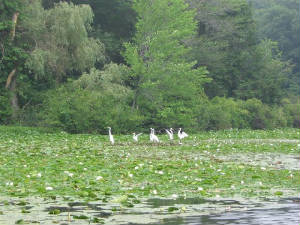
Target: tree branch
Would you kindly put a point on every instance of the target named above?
(10, 78)
(2, 52)
(14, 21)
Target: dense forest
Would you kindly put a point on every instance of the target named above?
(81, 66)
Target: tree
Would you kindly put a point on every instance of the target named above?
(91, 103)
(60, 40)
(278, 20)
(41, 48)
(113, 23)
(226, 31)
(241, 65)
(167, 86)
(268, 83)
(11, 56)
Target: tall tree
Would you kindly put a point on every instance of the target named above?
(239, 65)
(270, 79)
(278, 20)
(60, 40)
(225, 32)
(12, 54)
(113, 23)
(167, 86)
(41, 48)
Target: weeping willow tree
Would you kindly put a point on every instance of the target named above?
(44, 47)
(60, 40)
(167, 85)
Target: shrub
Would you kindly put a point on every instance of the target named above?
(222, 113)
(92, 103)
(83, 111)
(5, 109)
(292, 110)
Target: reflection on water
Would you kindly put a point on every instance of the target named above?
(187, 211)
(157, 202)
(287, 212)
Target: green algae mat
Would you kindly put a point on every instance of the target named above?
(42, 173)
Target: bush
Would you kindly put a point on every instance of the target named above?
(222, 113)
(225, 113)
(5, 109)
(85, 111)
(292, 110)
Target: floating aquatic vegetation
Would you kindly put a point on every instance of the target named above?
(249, 164)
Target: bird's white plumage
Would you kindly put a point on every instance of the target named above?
(181, 135)
(170, 133)
(111, 137)
(153, 137)
(136, 136)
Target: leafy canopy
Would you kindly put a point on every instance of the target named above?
(61, 39)
(165, 82)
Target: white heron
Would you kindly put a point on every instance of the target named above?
(153, 137)
(136, 136)
(170, 133)
(111, 137)
(181, 135)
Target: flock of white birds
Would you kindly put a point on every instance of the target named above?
(153, 138)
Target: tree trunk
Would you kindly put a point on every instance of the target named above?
(11, 79)
(14, 99)
(14, 24)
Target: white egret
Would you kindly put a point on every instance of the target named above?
(170, 133)
(136, 136)
(111, 137)
(154, 137)
(181, 135)
(151, 134)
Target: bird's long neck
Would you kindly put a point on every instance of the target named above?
(109, 132)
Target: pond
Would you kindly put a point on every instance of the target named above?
(286, 211)
(190, 211)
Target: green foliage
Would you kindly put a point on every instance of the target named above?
(12, 52)
(279, 21)
(5, 110)
(291, 108)
(109, 81)
(226, 113)
(87, 157)
(61, 64)
(91, 103)
(226, 31)
(222, 113)
(67, 46)
(268, 83)
(239, 65)
(165, 83)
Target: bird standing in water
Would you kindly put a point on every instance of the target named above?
(136, 137)
(153, 137)
(111, 137)
(170, 133)
(181, 135)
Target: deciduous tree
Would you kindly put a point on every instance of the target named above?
(167, 85)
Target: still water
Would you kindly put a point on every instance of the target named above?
(284, 212)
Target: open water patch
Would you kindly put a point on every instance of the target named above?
(156, 211)
(283, 212)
